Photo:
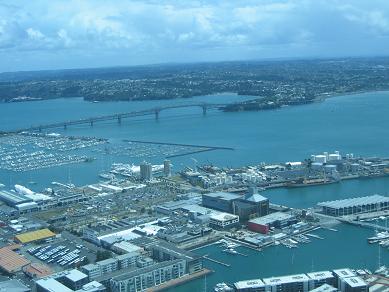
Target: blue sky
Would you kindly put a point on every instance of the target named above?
(55, 34)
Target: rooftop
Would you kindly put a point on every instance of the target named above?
(34, 235)
(13, 198)
(277, 216)
(10, 261)
(52, 285)
(13, 286)
(223, 196)
(343, 273)
(286, 279)
(325, 288)
(355, 282)
(320, 275)
(355, 201)
(257, 283)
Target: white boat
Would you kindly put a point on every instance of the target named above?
(222, 287)
(379, 237)
(230, 251)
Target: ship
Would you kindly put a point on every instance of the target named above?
(378, 237)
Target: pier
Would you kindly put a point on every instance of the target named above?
(364, 224)
(115, 117)
(216, 261)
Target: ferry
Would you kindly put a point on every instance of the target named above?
(380, 236)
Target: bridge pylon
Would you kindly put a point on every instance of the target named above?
(119, 119)
(157, 114)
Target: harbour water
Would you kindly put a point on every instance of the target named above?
(354, 124)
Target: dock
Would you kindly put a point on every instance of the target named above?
(216, 261)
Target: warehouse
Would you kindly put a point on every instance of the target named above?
(355, 205)
(277, 220)
(10, 261)
(37, 235)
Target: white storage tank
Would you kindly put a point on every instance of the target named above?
(321, 158)
(335, 156)
(317, 165)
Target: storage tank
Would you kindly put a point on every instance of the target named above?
(317, 165)
(321, 158)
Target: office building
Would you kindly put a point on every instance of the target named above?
(167, 168)
(293, 283)
(276, 220)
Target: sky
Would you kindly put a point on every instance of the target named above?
(57, 34)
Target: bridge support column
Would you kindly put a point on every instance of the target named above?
(204, 110)
(91, 123)
(40, 129)
(65, 126)
(157, 114)
(119, 119)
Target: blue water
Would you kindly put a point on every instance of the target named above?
(353, 124)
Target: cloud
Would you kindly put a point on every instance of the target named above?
(173, 30)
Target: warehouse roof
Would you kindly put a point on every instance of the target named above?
(13, 198)
(355, 202)
(10, 261)
(223, 196)
(34, 235)
(273, 217)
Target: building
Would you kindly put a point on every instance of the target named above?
(340, 274)
(10, 261)
(250, 286)
(146, 171)
(355, 205)
(68, 281)
(33, 236)
(163, 251)
(276, 220)
(142, 279)
(294, 283)
(167, 168)
(325, 288)
(248, 206)
(223, 221)
(353, 284)
(220, 201)
(12, 199)
(37, 270)
(128, 260)
(13, 286)
(108, 266)
(123, 247)
(318, 279)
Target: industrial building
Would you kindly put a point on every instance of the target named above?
(33, 236)
(276, 220)
(248, 206)
(10, 261)
(355, 205)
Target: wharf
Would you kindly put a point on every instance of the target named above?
(180, 281)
